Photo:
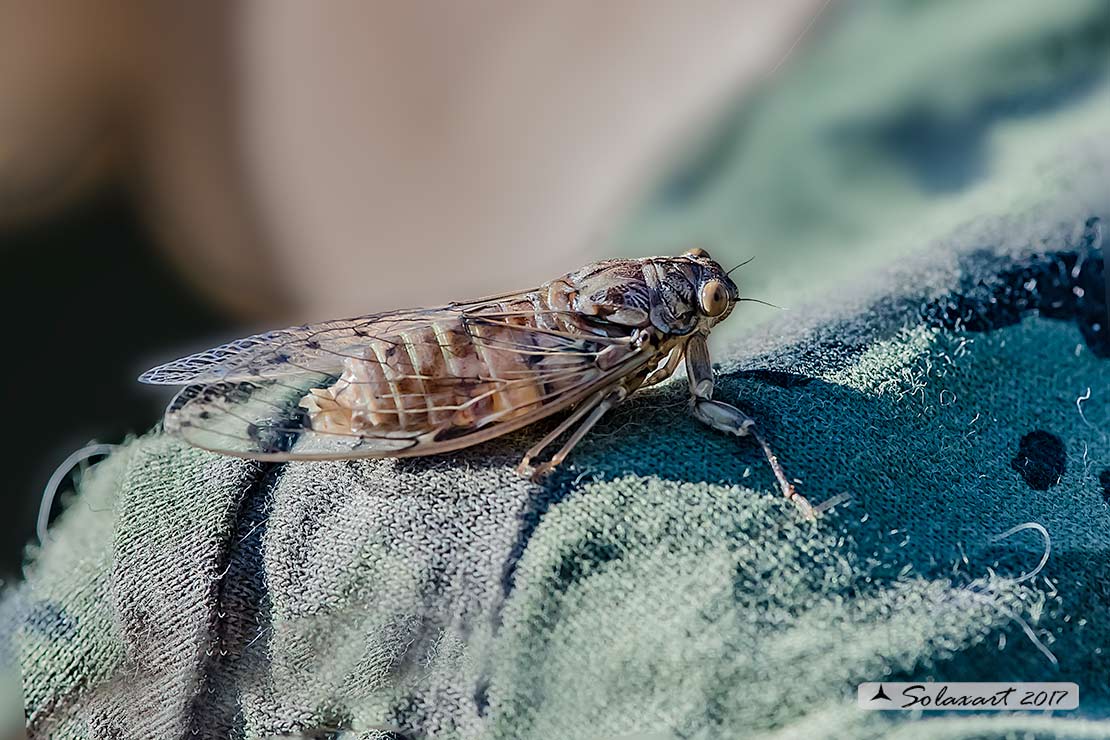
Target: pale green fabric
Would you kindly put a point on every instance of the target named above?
(657, 586)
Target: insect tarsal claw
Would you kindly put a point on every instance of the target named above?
(537, 473)
(808, 512)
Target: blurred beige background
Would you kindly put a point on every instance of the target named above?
(174, 175)
(306, 161)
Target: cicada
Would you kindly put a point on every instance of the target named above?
(431, 380)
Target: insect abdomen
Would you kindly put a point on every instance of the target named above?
(459, 372)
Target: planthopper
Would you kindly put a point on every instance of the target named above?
(430, 380)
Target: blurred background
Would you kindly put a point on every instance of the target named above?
(172, 175)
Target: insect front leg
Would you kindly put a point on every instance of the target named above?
(592, 409)
(665, 371)
(727, 418)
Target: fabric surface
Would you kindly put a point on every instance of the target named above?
(657, 586)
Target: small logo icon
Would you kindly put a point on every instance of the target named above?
(880, 694)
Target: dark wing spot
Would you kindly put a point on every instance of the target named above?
(312, 344)
(270, 439)
(231, 392)
(1104, 481)
(185, 395)
(1040, 459)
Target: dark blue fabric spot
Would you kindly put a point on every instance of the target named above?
(50, 620)
(1040, 459)
(1068, 286)
(481, 697)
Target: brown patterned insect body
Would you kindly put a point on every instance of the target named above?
(417, 379)
(431, 380)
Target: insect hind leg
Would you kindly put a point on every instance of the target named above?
(586, 416)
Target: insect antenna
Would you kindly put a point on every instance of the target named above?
(765, 303)
(749, 259)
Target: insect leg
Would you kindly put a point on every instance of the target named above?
(727, 418)
(662, 373)
(605, 400)
(584, 408)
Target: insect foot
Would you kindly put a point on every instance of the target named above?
(727, 418)
(539, 472)
(535, 473)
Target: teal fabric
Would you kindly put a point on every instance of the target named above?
(657, 586)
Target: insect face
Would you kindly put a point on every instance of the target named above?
(694, 293)
(717, 293)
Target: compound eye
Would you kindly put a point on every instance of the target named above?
(697, 252)
(713, 298)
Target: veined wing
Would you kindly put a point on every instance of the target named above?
(311, 348)
(425, 381)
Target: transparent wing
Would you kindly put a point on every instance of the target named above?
(309, 349)
(248, 397)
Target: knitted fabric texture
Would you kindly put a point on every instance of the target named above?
(654, 587)
(657, 585)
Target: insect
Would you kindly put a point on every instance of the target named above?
(427, 381)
